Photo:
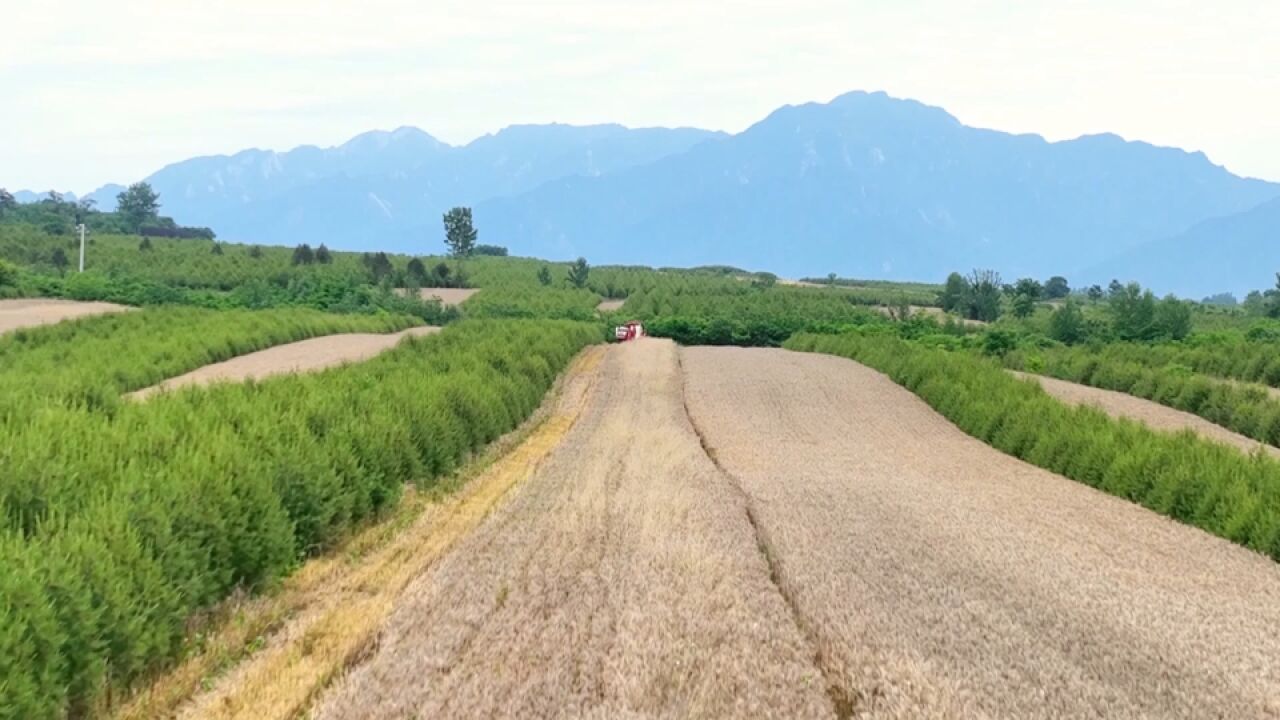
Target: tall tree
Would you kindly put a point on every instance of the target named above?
(983, 301)
(137, 204)
(1029, 287)
(1056, 288)
(303, 255)
(1066, 325)
(954, 293)
(7, 202)
(544, 275)
(578, 273)
(416, 273)
(459, 234)
(323, 256)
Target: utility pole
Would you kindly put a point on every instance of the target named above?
(80, 227)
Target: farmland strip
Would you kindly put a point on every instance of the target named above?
(947, 579)
(1153, 414)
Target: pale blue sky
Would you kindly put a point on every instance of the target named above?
(99, 92)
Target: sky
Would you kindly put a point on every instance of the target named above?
(98, 92)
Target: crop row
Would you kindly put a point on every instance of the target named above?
(123, 520)
(1198, 482)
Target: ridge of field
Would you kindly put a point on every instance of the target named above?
(34, 312)
(621, 580)
(196, 494)
(308, 355)
(1250, 410)
(1147, 412)
(329, 613)
(1193, 480)
(946, 579)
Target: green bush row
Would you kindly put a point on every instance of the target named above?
(140, 514)
(1247, 409)
(1198, 482)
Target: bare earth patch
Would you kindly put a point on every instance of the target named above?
(1153, 414)
(934, 312)
(31, 312)
(303, 356)
(446, 296)
(942, 578)
(621, 580)
(610, 305)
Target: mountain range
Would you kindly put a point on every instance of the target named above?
(866, 185)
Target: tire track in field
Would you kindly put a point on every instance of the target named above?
(944, 579)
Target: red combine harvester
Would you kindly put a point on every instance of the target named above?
(629, 331)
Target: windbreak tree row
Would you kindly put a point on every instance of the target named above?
(120, 524)
(1195, 481)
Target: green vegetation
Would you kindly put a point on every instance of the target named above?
(1195, 481)
(122, 519)
(517, 302)
(459, 234)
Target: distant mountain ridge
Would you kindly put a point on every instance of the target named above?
(865, 185)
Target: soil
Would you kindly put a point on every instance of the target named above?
(31, 312)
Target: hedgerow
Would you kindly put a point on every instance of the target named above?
(1198, 482)
(121, 521)
(1247, 409)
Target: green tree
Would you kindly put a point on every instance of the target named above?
(255, 251)
(1225, 299)
(217, 249)
(544, 275)
(379, 266)
(491, 250)
(1095, 293)
(1066, 324)
(1056, 288)
(137, 204)
(1029, 287)
(955, 293)
(578, 273)
(1133, 312)
(1271, 305)
(1172, 319)
(323, 256)
(303, 255)
(441, 272)
(764, 280)
(58, 258)
(459, 234)
(416, 273)
(983, 299)
(7, 202)
(8, 273)
(831, 278)
(145, 245)
(1024, 306)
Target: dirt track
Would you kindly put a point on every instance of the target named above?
(610, 305)
(1153, 414)
(942, 578)
(303, 356)
(621, 580)
(30, 312)
(447, 296)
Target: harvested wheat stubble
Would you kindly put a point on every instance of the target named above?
(30, 312)
(1153, 414)
(943, 578)
(308, 355)
(621, 580)
(610, 305)
(447, 296)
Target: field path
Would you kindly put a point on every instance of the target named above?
(1151, 413)
(31, 312)
(942, 578)
(622, 580)
(308, 355)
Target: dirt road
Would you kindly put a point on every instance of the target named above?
(303, 356)
(941, 578)
(1153, 414)
(30, 312)
(621, 580)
